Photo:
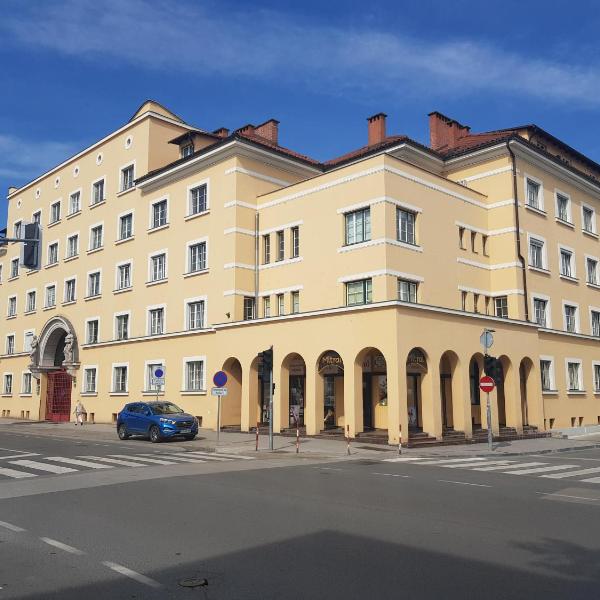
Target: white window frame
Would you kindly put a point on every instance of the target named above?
(152, 204)
(69, 237)
(85, 369)
(24, 392)
(535, 296)
(70, 278)
(592, 309)
(558, 193)
(57, 242)
(149, 322)
(27, 292)
(151, 255)
(126, 166)
(87, 280)
(25, 334)
(5, 391)
(188, 245)
(46, 286)
(185, 361)
(60, 215)
(581, 382)
(12, 335)
(20, 231)
(115, 328)
(119, 217)
(15, 260)
(113, 380)
(147, 384)
(90, 229)
(542, 240)
(552, 373)
(590, 257)
(573, 261)
(188, 301)
(71, 194)
(8, 303)
(189, 189)
(122, 263)
(541, 207)
(92, 184)
(86, 330)
(594, 230)
(577, 315)
(35, 212)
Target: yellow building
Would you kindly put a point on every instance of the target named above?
(372, 276)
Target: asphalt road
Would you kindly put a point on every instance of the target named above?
(292, 527)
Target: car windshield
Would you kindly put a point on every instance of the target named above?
(165, 408)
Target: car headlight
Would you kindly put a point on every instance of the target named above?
(167, 421)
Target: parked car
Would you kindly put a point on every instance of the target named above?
(155, 420)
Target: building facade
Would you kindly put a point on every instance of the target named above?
(372, 276)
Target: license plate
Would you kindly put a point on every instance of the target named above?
(186, 431)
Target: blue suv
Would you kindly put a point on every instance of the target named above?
(156, 420)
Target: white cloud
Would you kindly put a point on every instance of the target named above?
(196, 40)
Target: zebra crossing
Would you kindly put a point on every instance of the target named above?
(35, 466)
(542, 469)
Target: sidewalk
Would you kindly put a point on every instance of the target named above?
(315, 447)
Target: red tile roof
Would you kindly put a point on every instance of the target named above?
(388, 141)
(269, 144)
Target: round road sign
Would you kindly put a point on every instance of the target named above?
(220, 378)
(158, 373)
(486, 384)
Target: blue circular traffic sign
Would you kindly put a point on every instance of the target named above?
(158, 373)
(220, 378)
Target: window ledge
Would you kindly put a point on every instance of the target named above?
(11, 317)
(53, 223)
(71, 215)
(592, 234)
(31, 272)
(50, 265)
(118, 394)
(194, 273)
(7, 395)
(70, 258)
(158, 228)
(123, 290)
(123, 240)
(536, 210)
(569, 278)
(152, 393)
(89, 394)
(92, 250)
(13, 278)
(49, 307)
(157, 282)
(97, 204)
(94, 297)
(593, 285)
(550, 392)
(196, 215)
(539, 270)
(193, 392)
(565, 223)
(30, 312)
(576, 392)
(69, 302)
(123, 192)
(25, 395)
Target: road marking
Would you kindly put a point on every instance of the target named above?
(592, 480)
(79, 463)
(132, 574)
(393, 475)
(405, 459)
(452, 461)
(328, 469)
(61, 546)
(540, 470)
(499, 468)
(476, 464)
(16, 474)
(178, 458)
(22, 455)
(567, 496)
(116, 461)
(240, 456)
(465, 483)
(199, 455)
(156, 461)
(32, 464)
(572, 473)
(11, 527)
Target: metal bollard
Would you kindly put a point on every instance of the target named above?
(257, 424)
(348, 439)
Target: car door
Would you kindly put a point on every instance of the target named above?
(145, 418)
(133, 419)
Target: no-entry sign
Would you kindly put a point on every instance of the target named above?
(486, 384)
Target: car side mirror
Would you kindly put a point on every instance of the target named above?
(147, 413)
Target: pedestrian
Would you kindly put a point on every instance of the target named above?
(79, 412)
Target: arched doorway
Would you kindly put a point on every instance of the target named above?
(448, 366)
(231, 408)
(293, 390)
(500, 390)
(330, 368)
(374, 388)
(526, 380)
(416, 370)
(475, 372)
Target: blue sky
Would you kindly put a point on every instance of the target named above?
(73, 70)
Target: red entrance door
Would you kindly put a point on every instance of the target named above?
(58, 399)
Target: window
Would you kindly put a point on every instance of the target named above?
(563, 211)
(30, 304)
(358, 226)
(8, 383)
(533, 194)
(266, 306)
(596, 378)
(588, 219)
(406, 226)
(566, 258)
(120, 379)
(295, 242)
(501, 306)
(280, 304)
(53, 253)
(157, 321)
(484, 245)
(96, 237)
(12, 306)
(475, 303)
(92, 331)
(359, 292)
(151, 385)
(127, 178)
(14, 267)
(197, 257)
(248, 308)
(158, 267)
(536, 253)
(295, 301)
(159, 214)
(124, 276)
(37, 217)
(474, 241)
(595, 322)
(539, 311)
(122, 327)
(592, 270)
(72, 246)
(89, 380)
(18, 229)
(125, 226)
(461, 238)
(198, 199)
(27, 339)
(10, 344)
(74, 203)
(26, 387)
(463, 300)
(195, 314)
(50, 296)
(266, 249)
(94, 284)
(98, 192)
(187, 150)
(546, 374)
(574, 376)
(570, 318)
(194, 375)
(407, 290)
(69, 290)
(280, 245)
(55, 212)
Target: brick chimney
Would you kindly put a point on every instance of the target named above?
(445, 132)
(268, 130)
(222, 132)
(376, 128)
(246, 129)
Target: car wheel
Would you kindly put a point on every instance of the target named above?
(122, 432)
(155, 436)
(189, 437)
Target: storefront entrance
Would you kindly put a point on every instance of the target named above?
(331, 368)
(413, 386)
(58, 398)
(297, 383)
(329, 416)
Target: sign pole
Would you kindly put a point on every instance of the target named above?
(218, 418)
(490, 437)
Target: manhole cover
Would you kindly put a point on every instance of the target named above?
(194, 582)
